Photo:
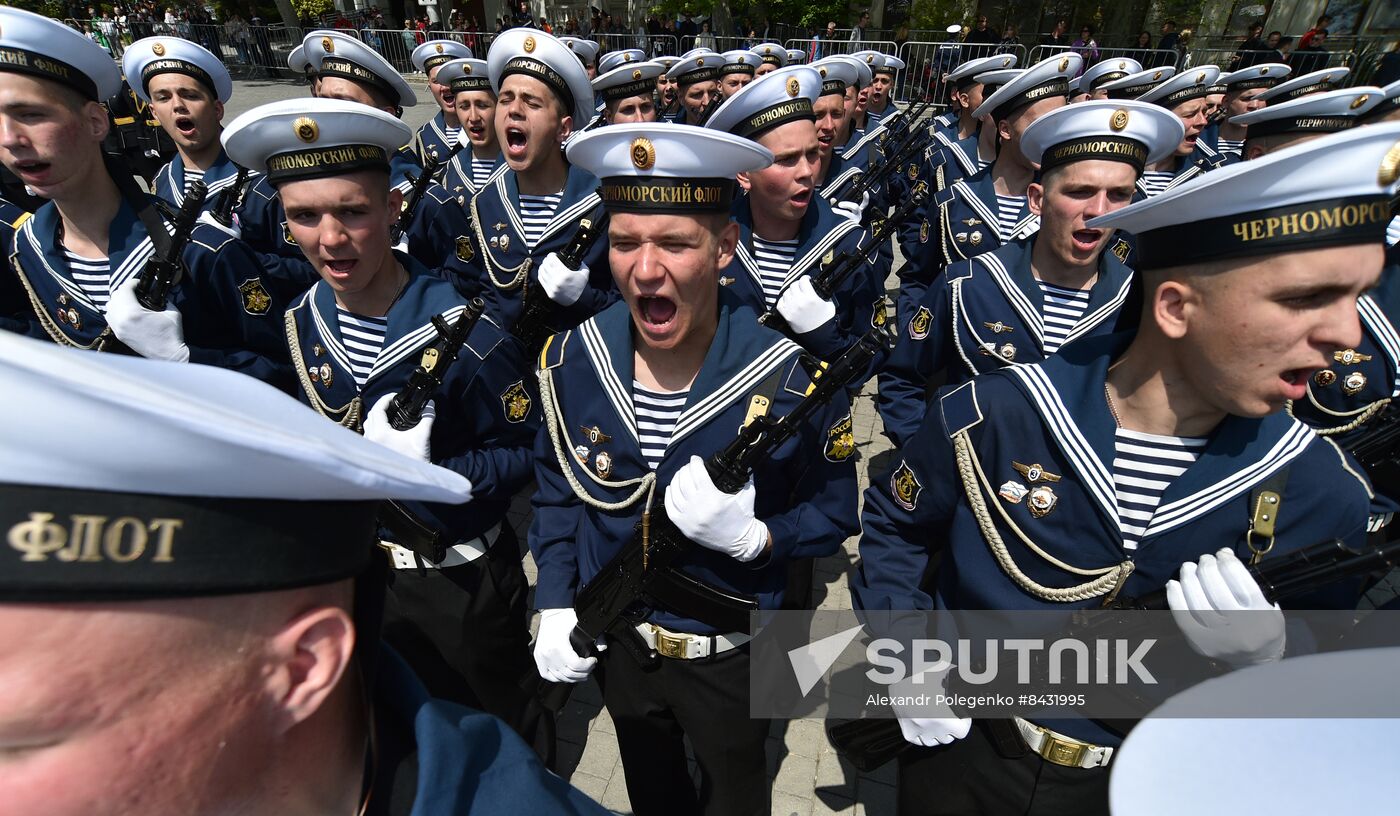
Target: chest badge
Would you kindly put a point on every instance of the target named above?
(1013, 491)
(998, 327)
(840, 441)
(602, 464)
(516, 402)
(919, 324)
(877, 313)
(256, 300)
(1121, 249)
(971, 222)
(595, 435)
(975, 238)
(1007, 351)
(1034, 473)
(726, 280)
(581, 454)
(1041, 500)
(1350, 357)
(69, 316)
(923, 232)
(905, 486)
(1353, 383)
(464, 249)
(1325, 377)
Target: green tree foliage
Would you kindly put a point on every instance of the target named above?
(312, 8)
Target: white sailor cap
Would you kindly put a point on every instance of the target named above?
(889, 63)
(297, 60)
(965, 75)
(1193, 83)
(41, 47)
(873, 60)
(692, 52)
(739, 61)
(653, 167)
(1135, 85)
(129, 478)
(1301, 86)
(585, 50)
(433, 53)
(666, 60)
(771, 53)
(1330, 191)
(1326, 112)
(613, 59)
(1105, 71)
(1047, 78)
(533, 53)
(339, 55)
(1390, 102)
(148, 57)
(313, 138)
(626, 81)
(1263, 75)
(837, 73)
(700, 66)
(796, 56)
(1136, 133)
(774, 99)
(461, 75)
(863, 73)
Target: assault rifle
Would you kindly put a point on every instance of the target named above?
(229, 198)
(421, 182)
(870, 743)
(644, 572)
(716, 99)
(874, 179)
(164, 269)
(532, 327)
(1377, 448)
(832, 275)
(406, 411)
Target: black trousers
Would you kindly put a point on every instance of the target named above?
(465, 633)
(970, 778)
(706, 700)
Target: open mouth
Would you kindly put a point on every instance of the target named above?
(516, 142)
(657, 312)
(340, 269)
(186, 126)
(801, 198)
(1295, 381)
(1086, 240)
(32, 172)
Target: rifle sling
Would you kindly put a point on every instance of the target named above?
(145, 210)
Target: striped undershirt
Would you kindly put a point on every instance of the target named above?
(1144, 465)
(1230, 146)
(1155, 181)
(535, 214)
(190, 178)
(454, 135)
(363, 338)
(1062, 310)
(481, 171)
(774, 259)
(93, 276)
(657, 412)
(1008, 213)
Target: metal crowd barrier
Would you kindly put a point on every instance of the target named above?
(1149, 57)
(655, 45)
(1302, 63)
(825, 48)
(928, 61)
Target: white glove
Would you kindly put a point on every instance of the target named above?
(554, 655)
(413, 443)
(233, 229)
(851, 209)
(712, 518)
(915, 722)
(562, 284)
(156, 335)
(804, 309)
(1222, 611)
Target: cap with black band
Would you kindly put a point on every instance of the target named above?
(1044, 80)
(533, 53)
(1134, 86)
(1109, 70)
(1264, 75)
(1327, 112)
(1331, 191)
(838, 73)
(627, 81)
(771, 53)
(153, 56)
(739, 61)
(1194, 83)
(342, 56)
(772, 100)
(965, 75)
(314, 138)
(463, 75)
(433, 53)
(44, 48)
(702, 66)
(1305, 85)
(1135, 133)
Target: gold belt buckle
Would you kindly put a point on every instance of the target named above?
(668, 645)
(1062, 752)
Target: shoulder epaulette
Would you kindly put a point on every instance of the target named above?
(552, 355)
(960, 408)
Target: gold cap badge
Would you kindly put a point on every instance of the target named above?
(306, 129)
(793, 86)
(1064, 64)
(158, 49)
(643, 153)
(439, 48)
(1359, 101)
(467, 70)
(328, 45)
(1118, 120)
(529, 45)
(1390, 166)
(637, 74)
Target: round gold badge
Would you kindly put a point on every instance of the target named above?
(636, 74)
(1156, 76)
(306, 129)
(822, 71)
(1201, 77)
(439, 48)
(529, 45)
(1390, 166)
(158, 49)
(1118, 120)
(328, 45)
(1006, 63)
(700, 62)
(626, 57)
(1064, 64)
(793, 86)
(1359, 101)
(643, 153)
(466, 70)
(1264, 71)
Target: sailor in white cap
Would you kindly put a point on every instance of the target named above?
(475, 109)
(740, 68)
(860, 123)
(772, 56)
(966, 95)
(436, 138)
(587, 52)
(839, 75)
(629, 92)
(186, 87)
(618, 58)
(434, 220)
(952, 158)
(82, 256)
(796, 56)
(786, 231)
(1301, 86)
(1095, 77)
(1388, 109)
(1251, 276)
(300, 63)
(532, 210)
(1026, 300)
(356, 339)
(1185, 95)
(697, 86)
(668, 102)
(1283, 124)
(1242, 90)
(984, 211)
(677, 338)
(882, 108)
(176, 530)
